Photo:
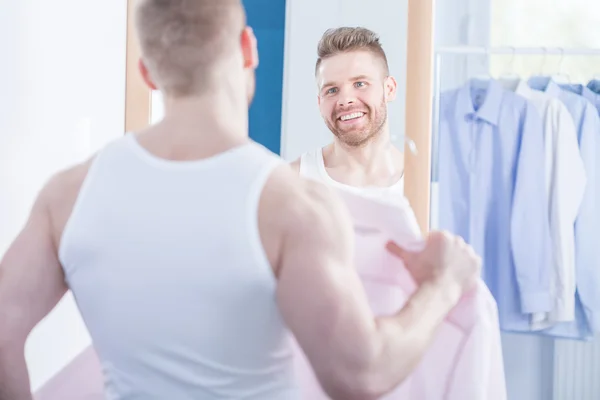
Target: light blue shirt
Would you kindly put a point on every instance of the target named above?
(492, 193)
(587, 246)
(593, 93)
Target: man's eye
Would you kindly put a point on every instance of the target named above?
(331, 91)
(360, 84)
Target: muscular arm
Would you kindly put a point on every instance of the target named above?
(353, 353)
(32, 280)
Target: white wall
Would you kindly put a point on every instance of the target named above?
(63, 87)
(302, 126)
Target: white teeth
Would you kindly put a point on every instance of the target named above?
(352, 116)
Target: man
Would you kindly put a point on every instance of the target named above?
(193, 253)
(354, 87)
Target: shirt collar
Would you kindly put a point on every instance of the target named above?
(581, 90)
(523, 89)
(544, 84)
(490, 108)
(593, 91)
(594, 86)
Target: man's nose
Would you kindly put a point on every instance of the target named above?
(346, 100)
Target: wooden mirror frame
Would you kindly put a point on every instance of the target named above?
(138, 97)
(419, 108)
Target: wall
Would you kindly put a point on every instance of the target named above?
(63, 89)
(302, 126)
(265, 111)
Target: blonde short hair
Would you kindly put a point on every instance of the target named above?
(182, 41)
(348, 39)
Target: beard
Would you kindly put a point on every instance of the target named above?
(375, 119)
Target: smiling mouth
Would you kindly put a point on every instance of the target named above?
(351, 117)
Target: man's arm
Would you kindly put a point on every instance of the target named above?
(354, 354)
(31, 284)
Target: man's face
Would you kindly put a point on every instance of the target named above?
(353, 95)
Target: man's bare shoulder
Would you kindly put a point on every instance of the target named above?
(60, 193)
(300, 210)
(299, 198)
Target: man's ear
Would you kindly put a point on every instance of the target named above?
(146, 75)
(249, 48)
(391, 88)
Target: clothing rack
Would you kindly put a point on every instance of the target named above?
(488, 50)
(571, 360)
(483, 50)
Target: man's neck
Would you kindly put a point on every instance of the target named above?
(199, 127)
(369, 157)
(209, 116)
(377, 163)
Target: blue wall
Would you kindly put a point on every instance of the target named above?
(267, 19)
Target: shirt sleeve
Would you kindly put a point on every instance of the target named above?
(569, 183)
(586, 227)
(529, 225)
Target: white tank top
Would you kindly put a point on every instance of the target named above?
(167, 267)
(312, 166)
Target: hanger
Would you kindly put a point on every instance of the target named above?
(482, 80)
(509, 79)
(561, 77)
(545, 49)
(509, 68)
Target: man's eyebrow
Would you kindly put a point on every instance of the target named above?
(327, 84)
(356, 78)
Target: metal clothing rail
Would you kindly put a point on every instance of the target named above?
(483, 50)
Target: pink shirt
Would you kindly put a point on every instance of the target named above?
(464, 361)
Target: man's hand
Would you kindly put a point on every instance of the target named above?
(446, 260)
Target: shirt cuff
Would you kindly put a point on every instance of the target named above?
(534, 302)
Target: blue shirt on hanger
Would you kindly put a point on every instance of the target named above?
(584, 91)
(593, 93)
(492, 193)
(587, 245)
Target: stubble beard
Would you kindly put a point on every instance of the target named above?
(362, 137)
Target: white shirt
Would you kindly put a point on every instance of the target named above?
(565, 186)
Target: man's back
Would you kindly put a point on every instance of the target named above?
(173, 310)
